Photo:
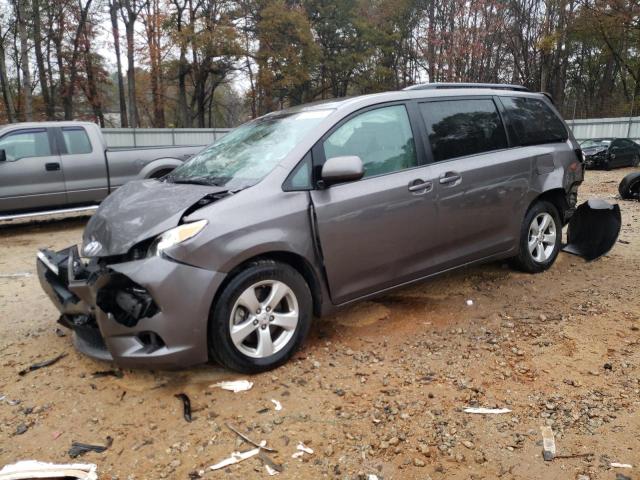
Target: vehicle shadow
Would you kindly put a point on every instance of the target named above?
(48, 225)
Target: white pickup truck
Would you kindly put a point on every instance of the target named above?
(59, 167)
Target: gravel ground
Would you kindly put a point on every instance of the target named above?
(378, 389)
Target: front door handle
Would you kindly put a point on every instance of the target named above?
(52, 167)
(419, 186)
(449, 177)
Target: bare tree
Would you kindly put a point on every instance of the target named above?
(42, 71)
(113, 14)
(4, 82)
(21, 18)
(130, 10)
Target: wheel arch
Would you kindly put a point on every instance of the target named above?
(556, 197)
(158, 165)
(294, 260)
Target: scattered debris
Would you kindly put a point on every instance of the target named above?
(31, 469)
(302, 449)
(620, 476)
(271, 471)
(187, 405)
(234, 386)
(60, 332)
(22, 428)
(261, 445)
(12, 403)
(272, 467)
(16, 275)
(548, 444)
(43, 364)
(575, 455)
(469, 303)
(236, 457)
(277, 404)
(486, 411)
(108, 373)
(78, 448)
(620, 465)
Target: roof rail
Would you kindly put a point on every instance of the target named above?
(494, 86)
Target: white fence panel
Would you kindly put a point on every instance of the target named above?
(621, 127)
(156, 137)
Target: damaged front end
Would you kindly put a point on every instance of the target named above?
(147, 312)
(84, 290)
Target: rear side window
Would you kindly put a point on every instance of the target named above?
(457, 128)
(533, 122)
(76, 140)
(26, 143)
(382, 138)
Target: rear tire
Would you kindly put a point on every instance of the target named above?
(261, 318)
(540, 238)
(629, 187)
(636, 160)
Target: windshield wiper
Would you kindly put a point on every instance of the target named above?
(195, 181)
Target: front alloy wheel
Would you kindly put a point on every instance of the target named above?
(260, 318)
(264, 319)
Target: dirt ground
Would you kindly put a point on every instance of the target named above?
(378, 389)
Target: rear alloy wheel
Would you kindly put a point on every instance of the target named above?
(262, 316)
(636, 160)
(540, 238)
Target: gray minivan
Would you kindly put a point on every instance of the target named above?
(311, 208)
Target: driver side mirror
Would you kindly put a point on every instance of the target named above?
(342, 169)
(3, 156)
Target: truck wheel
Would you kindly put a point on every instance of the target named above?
(629, 187)
(261, 318)
(540, 238)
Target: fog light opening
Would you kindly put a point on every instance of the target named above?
(151, 341)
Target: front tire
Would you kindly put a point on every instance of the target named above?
(540, 238)
(261, 318)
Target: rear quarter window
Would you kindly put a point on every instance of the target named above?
(76, 140)
(457, 128)
(532, 122)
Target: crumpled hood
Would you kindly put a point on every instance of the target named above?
(137, 211)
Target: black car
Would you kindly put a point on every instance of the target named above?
(608, 153)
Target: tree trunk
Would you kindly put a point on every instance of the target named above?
(4, 84)
(27, 102)
(92, 90)
(124, 121)
(42, 72)
(131, 74)
(67, 100)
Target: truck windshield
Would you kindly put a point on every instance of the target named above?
(247, 154)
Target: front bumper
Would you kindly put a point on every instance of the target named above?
(144, 313)
(594, 161)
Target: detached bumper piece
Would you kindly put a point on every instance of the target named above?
(593, 229)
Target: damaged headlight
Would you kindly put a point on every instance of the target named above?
(175, 236)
